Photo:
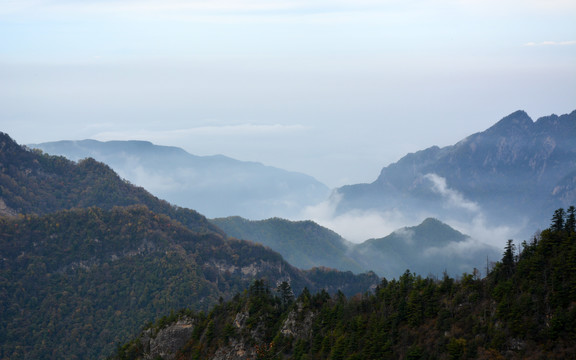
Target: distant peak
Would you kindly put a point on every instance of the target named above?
(515, 121)
(432, 221)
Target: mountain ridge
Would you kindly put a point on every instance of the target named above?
(215, 185)
(307, 244)
(514, 165)
(34, 183)
(304, 244)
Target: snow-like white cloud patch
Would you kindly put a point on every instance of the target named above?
(453, 197)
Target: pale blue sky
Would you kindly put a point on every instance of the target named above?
(335, 89)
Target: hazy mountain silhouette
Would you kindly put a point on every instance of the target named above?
(431, 247)
(514, 173)
(304, 244)
(216, 186)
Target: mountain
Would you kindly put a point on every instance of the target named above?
(512, 174)
(86, 258)
(77, 282)
(304, 244)
(429, 248)
(216, 186)
(31, 182)
(525, 308)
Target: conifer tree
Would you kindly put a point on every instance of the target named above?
(558, 220)
(508, 258)
(571, 220)
(286, 294)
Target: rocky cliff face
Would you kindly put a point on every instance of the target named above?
(247, 335)
(165, 342)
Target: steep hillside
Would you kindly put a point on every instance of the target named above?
(214, 185)
(514, 173)
(76, 282)
(524, 309)
(304, 244)
(32, 182)
(86, 258)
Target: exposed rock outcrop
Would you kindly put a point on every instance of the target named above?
(167, 341)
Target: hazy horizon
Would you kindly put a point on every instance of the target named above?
(336, 90)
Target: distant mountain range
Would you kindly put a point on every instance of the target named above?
(216, 185)
(513, 174)
(430, 248)
(85, 256)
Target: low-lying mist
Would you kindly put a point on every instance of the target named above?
(358, 225)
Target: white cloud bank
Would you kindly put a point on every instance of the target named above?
(356, 225)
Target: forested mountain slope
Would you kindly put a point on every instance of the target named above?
(74, 283)
(513, 174)
(524, 309)
(32, 182)
(304, 244)
(86, 258)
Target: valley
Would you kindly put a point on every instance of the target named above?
(88, 256)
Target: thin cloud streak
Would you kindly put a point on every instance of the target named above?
(224, 130)
(551, 43)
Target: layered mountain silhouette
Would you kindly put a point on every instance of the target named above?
(514, 173)
(216, 185)
(86, 258)
(430, 248)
